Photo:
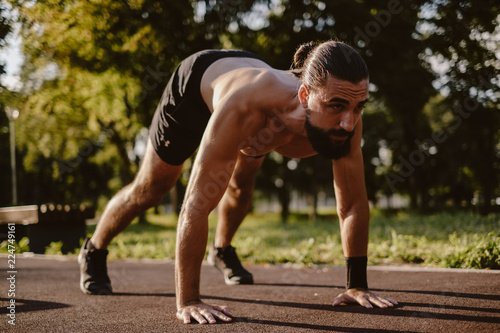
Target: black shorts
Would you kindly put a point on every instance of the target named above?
(182, 115)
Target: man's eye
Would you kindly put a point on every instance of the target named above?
(336, 106)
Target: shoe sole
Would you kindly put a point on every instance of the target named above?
(230, 282)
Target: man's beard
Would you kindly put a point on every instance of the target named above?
(323, 144)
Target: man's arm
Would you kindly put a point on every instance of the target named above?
(354, 216)
(228, 127)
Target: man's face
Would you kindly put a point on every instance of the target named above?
(332, 113)
(322, 141)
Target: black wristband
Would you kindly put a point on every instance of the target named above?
(356, 272)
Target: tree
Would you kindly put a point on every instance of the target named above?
(384, 34)
(464, 38)
(6, 98)
(5, 29)
(97, 69)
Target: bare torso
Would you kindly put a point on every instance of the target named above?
(268, 95)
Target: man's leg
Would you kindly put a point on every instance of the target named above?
(154, 179)
(237, 199)
(232, 209)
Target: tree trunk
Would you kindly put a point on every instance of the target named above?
(284, 199)
(284, 190)
(313, 204)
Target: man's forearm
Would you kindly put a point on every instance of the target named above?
(354, 233)
(190, 251)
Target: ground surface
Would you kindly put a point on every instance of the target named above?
(283, 299)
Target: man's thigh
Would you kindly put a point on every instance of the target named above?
(155, 174)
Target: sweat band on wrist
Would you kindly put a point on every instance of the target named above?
(356, 272)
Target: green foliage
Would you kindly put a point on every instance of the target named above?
(74, 130)
(264, 239)
(475, 251)
(155, 239)
(61, 248)
(21, 246)
(459, 240)
(94, 72)
(54, 248)
(79, 107)
(463, 39)
(405, 45)
(5, 29)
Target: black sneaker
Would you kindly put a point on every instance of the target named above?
(226, 261)
(94, 278)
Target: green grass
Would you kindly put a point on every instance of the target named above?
(462, 240)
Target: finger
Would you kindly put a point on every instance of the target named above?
(391, 300)
(338, 300)
(387, 301)
(363, 301)
(378, 302)
(198, 317)
(342, 298)
(208, 316)
(185, 317)
(223, 309)
(222, 312)
(221, 316)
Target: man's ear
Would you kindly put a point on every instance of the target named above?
(303, 96)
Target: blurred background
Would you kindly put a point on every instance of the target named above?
(84, 79)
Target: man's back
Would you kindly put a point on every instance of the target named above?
(268, 95)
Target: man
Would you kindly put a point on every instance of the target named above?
(240, 109)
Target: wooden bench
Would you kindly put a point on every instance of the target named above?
(20, 215)
(45, 224)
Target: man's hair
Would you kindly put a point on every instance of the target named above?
(312, 63)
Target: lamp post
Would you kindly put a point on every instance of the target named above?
(13, 114)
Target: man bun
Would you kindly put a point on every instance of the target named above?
(313, 63)
(302, 53)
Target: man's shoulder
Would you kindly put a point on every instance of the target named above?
(267, 82)
(256, 83)
(267, 90)
(254, 89)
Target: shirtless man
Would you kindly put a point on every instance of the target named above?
(237, 108)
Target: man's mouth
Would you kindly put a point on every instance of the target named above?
(338, 136)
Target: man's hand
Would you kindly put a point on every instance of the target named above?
(363, 297)
(203, 313)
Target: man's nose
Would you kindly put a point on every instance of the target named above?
(347, 121)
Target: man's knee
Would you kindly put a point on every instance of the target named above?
(242, 192)
(147, 195)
